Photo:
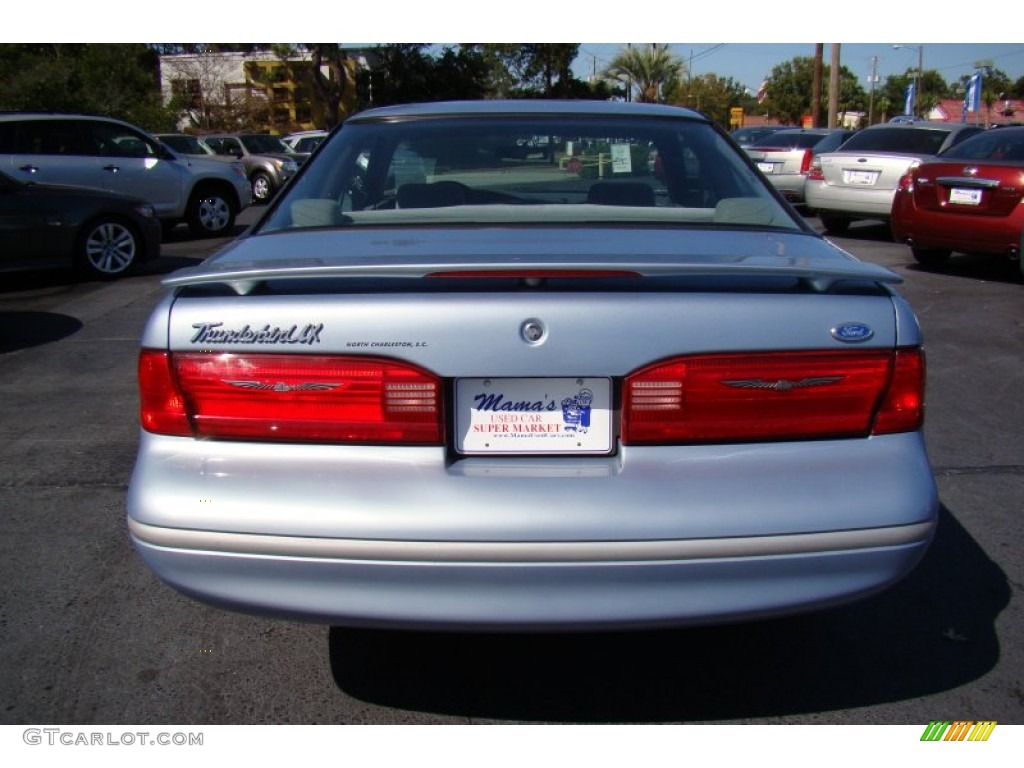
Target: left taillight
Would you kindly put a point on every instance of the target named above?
(777, 396)
(297, 398)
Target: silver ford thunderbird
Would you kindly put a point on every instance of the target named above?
(531, 366)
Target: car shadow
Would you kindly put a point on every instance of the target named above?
(992, 269)
(22, 330)
(933, 632)
(182, 234)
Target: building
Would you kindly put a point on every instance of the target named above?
(999, 112)
(259, 91)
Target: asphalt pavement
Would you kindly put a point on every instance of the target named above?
(88, 635)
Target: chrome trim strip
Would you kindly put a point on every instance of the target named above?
(258, 545)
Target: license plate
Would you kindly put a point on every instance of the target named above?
(564, 416)
(958, 196)
(860, 178)
(766, 167)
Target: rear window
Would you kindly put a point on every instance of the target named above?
(789, 141)
(918, 141)
(998, 144)
(528, 169)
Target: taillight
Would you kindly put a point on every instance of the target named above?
(774, 396)
(805, 163)
(814, 172)
(301, 398)
(906, 183)
(902, 407)
(162, 406)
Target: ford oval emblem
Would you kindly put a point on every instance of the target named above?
(852, 333)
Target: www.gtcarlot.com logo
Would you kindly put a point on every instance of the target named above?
(958, 730)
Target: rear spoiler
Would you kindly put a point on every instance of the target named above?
(251, 261)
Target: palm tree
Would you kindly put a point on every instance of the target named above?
(648, 71)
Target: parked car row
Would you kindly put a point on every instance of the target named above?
(942, 187)
(785, 156)
(91, 191)
(970, 198)
(95, 192)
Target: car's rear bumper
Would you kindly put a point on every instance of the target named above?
(529, 585)
(956, 231)
(653, 536)
(851, 202)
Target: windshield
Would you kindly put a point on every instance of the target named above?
(261, 144)
(533, 170)
(790, 140)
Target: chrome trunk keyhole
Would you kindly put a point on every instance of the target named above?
(533, 331)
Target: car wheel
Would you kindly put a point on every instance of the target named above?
(930, 256)
(108, 248)
(836, 225)
(210, 214)
(262, 188)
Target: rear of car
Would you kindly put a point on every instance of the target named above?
(968, 199)
(449, 383)
(860, 180)
(785, 156)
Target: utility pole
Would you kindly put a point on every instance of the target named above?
(819, 52)
(833, 89)
(871, 99)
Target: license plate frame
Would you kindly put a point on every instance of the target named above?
(964, 196)
(859, 178)
(549, 416)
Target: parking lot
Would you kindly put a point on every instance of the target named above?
(90, 636)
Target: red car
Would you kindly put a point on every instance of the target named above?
(967, 199)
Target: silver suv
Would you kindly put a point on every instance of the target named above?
(269, 162)
(104, 153)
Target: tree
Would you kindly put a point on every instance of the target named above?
(338, 84)
(407, 73)
(198, 81)
(648, 72)
(710, 94)
(528, 69)
(790, 87)
(117, 80)
(893, 93)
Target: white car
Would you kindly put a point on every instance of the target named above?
(860, 180)
(785, 156)
(305, 141)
